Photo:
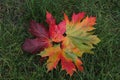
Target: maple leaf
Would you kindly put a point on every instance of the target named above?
(57, 54)
(79, 37)
(56, 31)
(40, 42)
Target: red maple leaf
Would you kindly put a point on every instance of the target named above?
(41, 40)
(56, 31)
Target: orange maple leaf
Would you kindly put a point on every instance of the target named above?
(57, 54)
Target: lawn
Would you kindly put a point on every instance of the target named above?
(15, 16)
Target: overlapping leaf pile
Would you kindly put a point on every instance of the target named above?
(64, 42)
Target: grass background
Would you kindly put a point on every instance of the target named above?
(14, 23)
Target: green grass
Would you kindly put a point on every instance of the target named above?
(14, 23)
